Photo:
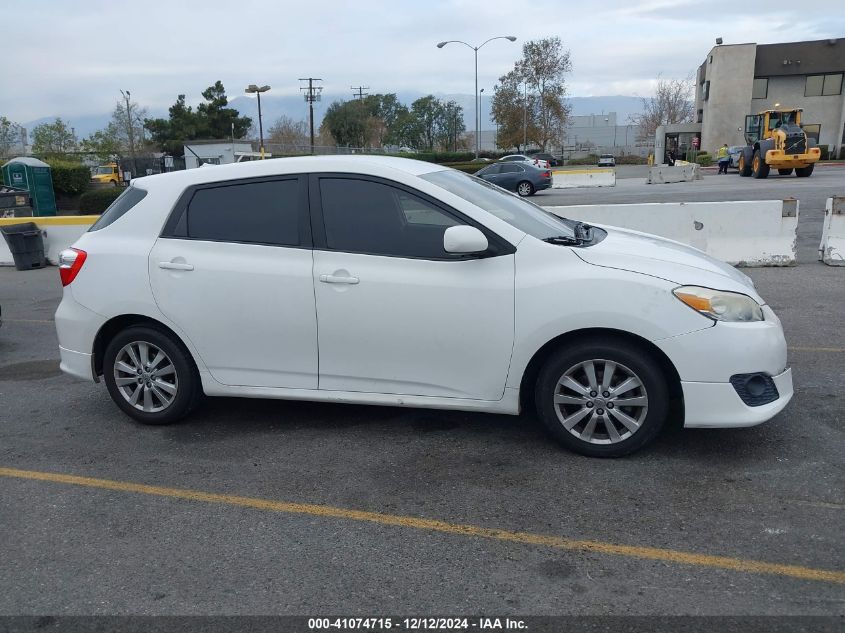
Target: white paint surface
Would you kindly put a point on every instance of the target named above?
(832, 246)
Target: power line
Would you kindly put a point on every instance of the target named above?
(359, 91)
(311, 94)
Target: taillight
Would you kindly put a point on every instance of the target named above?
(70, 263)
(547, 174)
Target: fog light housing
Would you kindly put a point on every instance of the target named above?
(755, 389)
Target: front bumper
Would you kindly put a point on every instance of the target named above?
(711, 405)
(779, 160)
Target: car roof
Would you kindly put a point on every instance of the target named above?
(361, 164)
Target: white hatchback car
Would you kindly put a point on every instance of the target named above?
(388, 281)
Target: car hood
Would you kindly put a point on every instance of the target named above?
(659, 257)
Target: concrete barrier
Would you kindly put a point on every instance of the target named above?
(832, 247)
(748, 233)
(663, 174)
(59, 233)
(572, 178)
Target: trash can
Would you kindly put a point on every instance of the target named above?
(26, 244)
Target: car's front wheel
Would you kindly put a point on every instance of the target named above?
(151, 376)
(525, 188)
(602, 398)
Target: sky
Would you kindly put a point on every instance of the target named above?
(71, 58)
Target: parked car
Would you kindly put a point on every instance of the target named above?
(551, 160)
(607, 160)
(522, 158)
(432, 288)
(524, 179)
(734, 152)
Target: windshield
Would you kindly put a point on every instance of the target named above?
(105, 170)
(524, 215)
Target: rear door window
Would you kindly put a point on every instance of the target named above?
(266, 212)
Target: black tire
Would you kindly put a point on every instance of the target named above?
(804, 172)
(785, 172)
(743, 166)
(187, 381)
(526, 187)
(759, 168)
(633, 359)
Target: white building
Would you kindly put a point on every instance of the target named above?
(218, 153)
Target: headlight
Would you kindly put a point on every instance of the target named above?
(720, 304)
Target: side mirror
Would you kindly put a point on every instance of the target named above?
(464, 239)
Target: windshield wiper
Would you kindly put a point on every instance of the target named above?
(564, 239)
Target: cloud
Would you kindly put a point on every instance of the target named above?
(73, 58)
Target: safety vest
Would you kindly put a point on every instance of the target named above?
(723, 152)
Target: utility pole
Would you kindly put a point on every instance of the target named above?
(312, 94)
(359, 92)
(129, 129)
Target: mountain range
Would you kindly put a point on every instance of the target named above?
(294, 106)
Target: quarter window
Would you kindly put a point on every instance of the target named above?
(511, 169)
(255, 212)
(363, 216)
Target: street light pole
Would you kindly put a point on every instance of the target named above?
(481, 111)
(250, 89)
(511, 38)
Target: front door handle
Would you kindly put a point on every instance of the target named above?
(337, 279)
(175, 266)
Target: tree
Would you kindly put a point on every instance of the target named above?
(429, 113)
(510, 108)
(347, 122)
(672, 103)
(286, 131)
(210, 120)
(105, 144)
(451, 127)
(53, 140)
(542, 73)
(10, 136)
(127, 126)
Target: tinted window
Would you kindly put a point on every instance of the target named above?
(256, 212)
(362, 216)
(492, 169)
(120, 206)
(516, 211)
(511, 169)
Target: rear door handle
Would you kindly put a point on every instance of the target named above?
(336, 279)
(175, 266)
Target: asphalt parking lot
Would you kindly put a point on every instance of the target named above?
(273, 507)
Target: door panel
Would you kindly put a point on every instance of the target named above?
(248, 309)
(415, 326)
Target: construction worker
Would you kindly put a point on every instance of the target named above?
(724, 159)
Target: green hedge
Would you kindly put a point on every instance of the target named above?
(70, 178)
(98, 200)
(704, 159)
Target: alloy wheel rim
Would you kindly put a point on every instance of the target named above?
(145, 376)
(524, 189)
(601, 401)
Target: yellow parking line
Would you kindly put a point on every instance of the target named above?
(525, 538)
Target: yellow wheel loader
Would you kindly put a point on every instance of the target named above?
(777, 141)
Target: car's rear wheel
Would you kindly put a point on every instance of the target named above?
(151, 376)
(525, 188)
(602, 398)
